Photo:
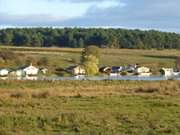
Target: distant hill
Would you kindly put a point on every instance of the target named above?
(80, 37)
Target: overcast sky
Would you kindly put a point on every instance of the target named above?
(143, 14)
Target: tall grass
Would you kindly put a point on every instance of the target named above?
(87, 88)
(89, 107)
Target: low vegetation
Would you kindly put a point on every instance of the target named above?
(89, 107)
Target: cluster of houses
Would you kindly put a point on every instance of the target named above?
(22, 71)
(126, 70)
(32, 71)
(123, 70)
(114, 70)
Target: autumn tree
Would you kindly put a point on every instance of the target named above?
(90, 60)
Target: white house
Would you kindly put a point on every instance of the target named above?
(4, 72)
(142, 70)
(76, 70)
(169, 72)
(79, 70)
(31, 70)
(20, 72)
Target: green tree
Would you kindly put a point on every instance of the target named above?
(81, 43)
(79, 37)
(74, 43)
(113, 42)
(21, 39)
(6, 38)
(140, 45)
(36, 41)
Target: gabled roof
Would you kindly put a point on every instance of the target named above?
(21, 67)
(4, 69)
(116, 69)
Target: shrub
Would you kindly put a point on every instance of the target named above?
(30, 60)
(124, 73)
(146, 90)
(6, 55)
(43, 61)
(41, 94)
(18, 95)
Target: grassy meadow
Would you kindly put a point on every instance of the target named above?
(64, 57)
(90, 107)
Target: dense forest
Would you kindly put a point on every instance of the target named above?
(81, 37)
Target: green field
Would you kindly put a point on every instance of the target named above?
(64, 57)
(89, 108)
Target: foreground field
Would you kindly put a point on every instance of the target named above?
(90, 108)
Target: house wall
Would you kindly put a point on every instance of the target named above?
(78, 70)
(142, 70)
(4, 72)
(31, 70)
(167, 72)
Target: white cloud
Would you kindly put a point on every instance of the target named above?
(109, 4)
(146, 14)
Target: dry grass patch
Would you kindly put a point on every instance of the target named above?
(45, 89)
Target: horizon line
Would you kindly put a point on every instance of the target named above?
(89, 27)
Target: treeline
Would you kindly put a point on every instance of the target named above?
(79, 37)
